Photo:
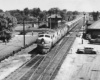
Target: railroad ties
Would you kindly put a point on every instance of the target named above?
(43, 67)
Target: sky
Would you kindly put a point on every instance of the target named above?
(70, 5)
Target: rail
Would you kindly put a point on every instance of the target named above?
(43, 67)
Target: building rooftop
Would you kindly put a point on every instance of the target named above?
(95, 25)
(55, 16)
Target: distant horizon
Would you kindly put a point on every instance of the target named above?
(46, 10)
(69, 5)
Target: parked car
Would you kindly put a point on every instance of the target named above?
(86, 50)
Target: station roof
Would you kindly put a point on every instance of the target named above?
(95, 25)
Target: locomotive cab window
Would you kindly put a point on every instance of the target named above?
(47, 36)
(41, 35)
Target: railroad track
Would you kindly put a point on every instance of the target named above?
(42, 67)
(48, 72)
(28, 68)
(25, 68)
(52, 67)
(58, 67)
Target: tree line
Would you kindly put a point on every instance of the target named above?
(36, 14)
(9, 19)
(95, 15)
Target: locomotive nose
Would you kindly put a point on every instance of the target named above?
(42, 41)
(39, 41)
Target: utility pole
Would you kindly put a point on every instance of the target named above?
(50, 21)
(56, 19)
(38, 21)
(83, 26)
(23, 32)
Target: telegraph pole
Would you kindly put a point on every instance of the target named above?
(38, 21)
(83, 26)
(50, 22)
(23, 32)
(56, 19)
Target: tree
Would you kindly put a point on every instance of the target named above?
(75, 13)
(35, 12)
(42, 15)
(26, 11)
(63, 14)
(3, 24)
(69, 15)
(54, 11)
(95, 15)
(7, 22)
(1, 10)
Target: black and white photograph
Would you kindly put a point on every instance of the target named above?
(49, 39)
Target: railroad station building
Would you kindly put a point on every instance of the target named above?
(94, 30)
(53, 20)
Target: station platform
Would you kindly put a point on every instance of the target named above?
(80, 66)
